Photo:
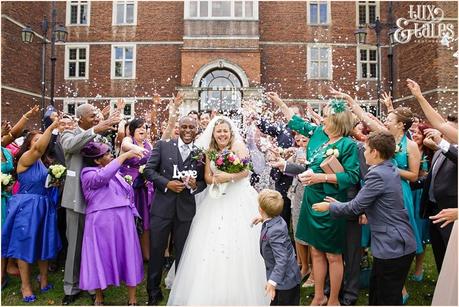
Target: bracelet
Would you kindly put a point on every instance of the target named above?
(25, 117)
(326, 177)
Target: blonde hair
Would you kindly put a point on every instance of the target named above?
(341, 123)
(271, 202)
(213, 143)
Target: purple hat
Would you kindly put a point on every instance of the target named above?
(94, 150)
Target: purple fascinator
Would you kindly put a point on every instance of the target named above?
(94, 150)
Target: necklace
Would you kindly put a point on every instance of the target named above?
(318, 150)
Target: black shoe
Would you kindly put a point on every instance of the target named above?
(68, 299)
(154, 300)
(168, 261)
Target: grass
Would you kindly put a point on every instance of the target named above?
(420, 292)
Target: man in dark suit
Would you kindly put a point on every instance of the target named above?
(177, 177)
(440, 192)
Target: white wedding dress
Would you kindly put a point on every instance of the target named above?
(221, 263)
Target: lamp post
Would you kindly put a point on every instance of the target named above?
(58, 34)
(361, 35)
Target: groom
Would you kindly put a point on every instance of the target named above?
(177, 177)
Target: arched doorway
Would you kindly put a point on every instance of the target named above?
(220, 89)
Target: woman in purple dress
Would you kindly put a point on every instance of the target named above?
(143, 189)
(110, 252)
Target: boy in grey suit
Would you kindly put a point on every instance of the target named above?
(276, 248)
(392, 239)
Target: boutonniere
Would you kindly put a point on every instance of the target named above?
(141, 168)
(332, 152)
(128, 179)
(198, 155)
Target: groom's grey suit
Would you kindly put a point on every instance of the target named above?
(170, 211)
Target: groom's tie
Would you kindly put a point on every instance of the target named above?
(185, 152)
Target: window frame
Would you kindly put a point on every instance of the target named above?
(76, 101)
(115, 13)
(129, 101)
(68, 14)
(308, 11)
(113, 60)
(359, 63)
(329, 60)
(67, 61)
(367, 12)
(186, 13)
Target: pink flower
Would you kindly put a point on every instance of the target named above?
(231, 158)
(219, 161)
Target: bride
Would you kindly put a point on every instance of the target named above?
(221, 262)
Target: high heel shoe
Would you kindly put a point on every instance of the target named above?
(405, 299)
(29, 299)
(417, 278)
(47, 288)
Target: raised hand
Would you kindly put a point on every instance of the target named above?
(6, 127)
(108, 124)
(414, 88)
(274, 97)
(178, 100)
(106, 111)
(279, 164)
(120, 104)
(433, 134)
(33, 111)
(387, 100)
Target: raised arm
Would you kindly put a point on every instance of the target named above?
(127, 145)
(435, 119)
(16, 131)
(387, 100)
(173, 116)
(38, 149)
(357, 110)
(274, 97)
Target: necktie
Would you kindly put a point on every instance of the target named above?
(185, 152)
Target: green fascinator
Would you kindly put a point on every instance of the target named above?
(337, 106)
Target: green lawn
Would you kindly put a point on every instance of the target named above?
(420, 293)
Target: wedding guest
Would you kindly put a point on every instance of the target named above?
(284, 136)
(325, 235)
(439, 194)
(30, 230)
(110, 252)
(72, 142)
(422, 224)
(17, 130)
(204, 119)
(194, 115)
(381, 198)
(407, 156)
(282, 272)
(143, 191)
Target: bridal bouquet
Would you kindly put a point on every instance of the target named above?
(228, 162)
(56, 175)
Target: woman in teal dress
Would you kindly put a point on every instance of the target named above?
(407, 156)
(325, 235)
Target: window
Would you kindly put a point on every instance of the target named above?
(220, 90)
(71, 105)
(123, 62)
(318, 13)
(319, 62)
(128, 108)
(367, 11)
(367, 61)
(125, 12)
(221, 9)
(77, 13)
(77, 62)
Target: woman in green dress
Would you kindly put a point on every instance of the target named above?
(407, 156)
(325, 235)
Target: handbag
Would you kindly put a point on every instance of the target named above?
(331, 165)
(138, 225)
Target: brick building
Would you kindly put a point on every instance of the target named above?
(219, 53)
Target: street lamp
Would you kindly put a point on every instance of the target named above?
(360, 36)
(59, 34)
